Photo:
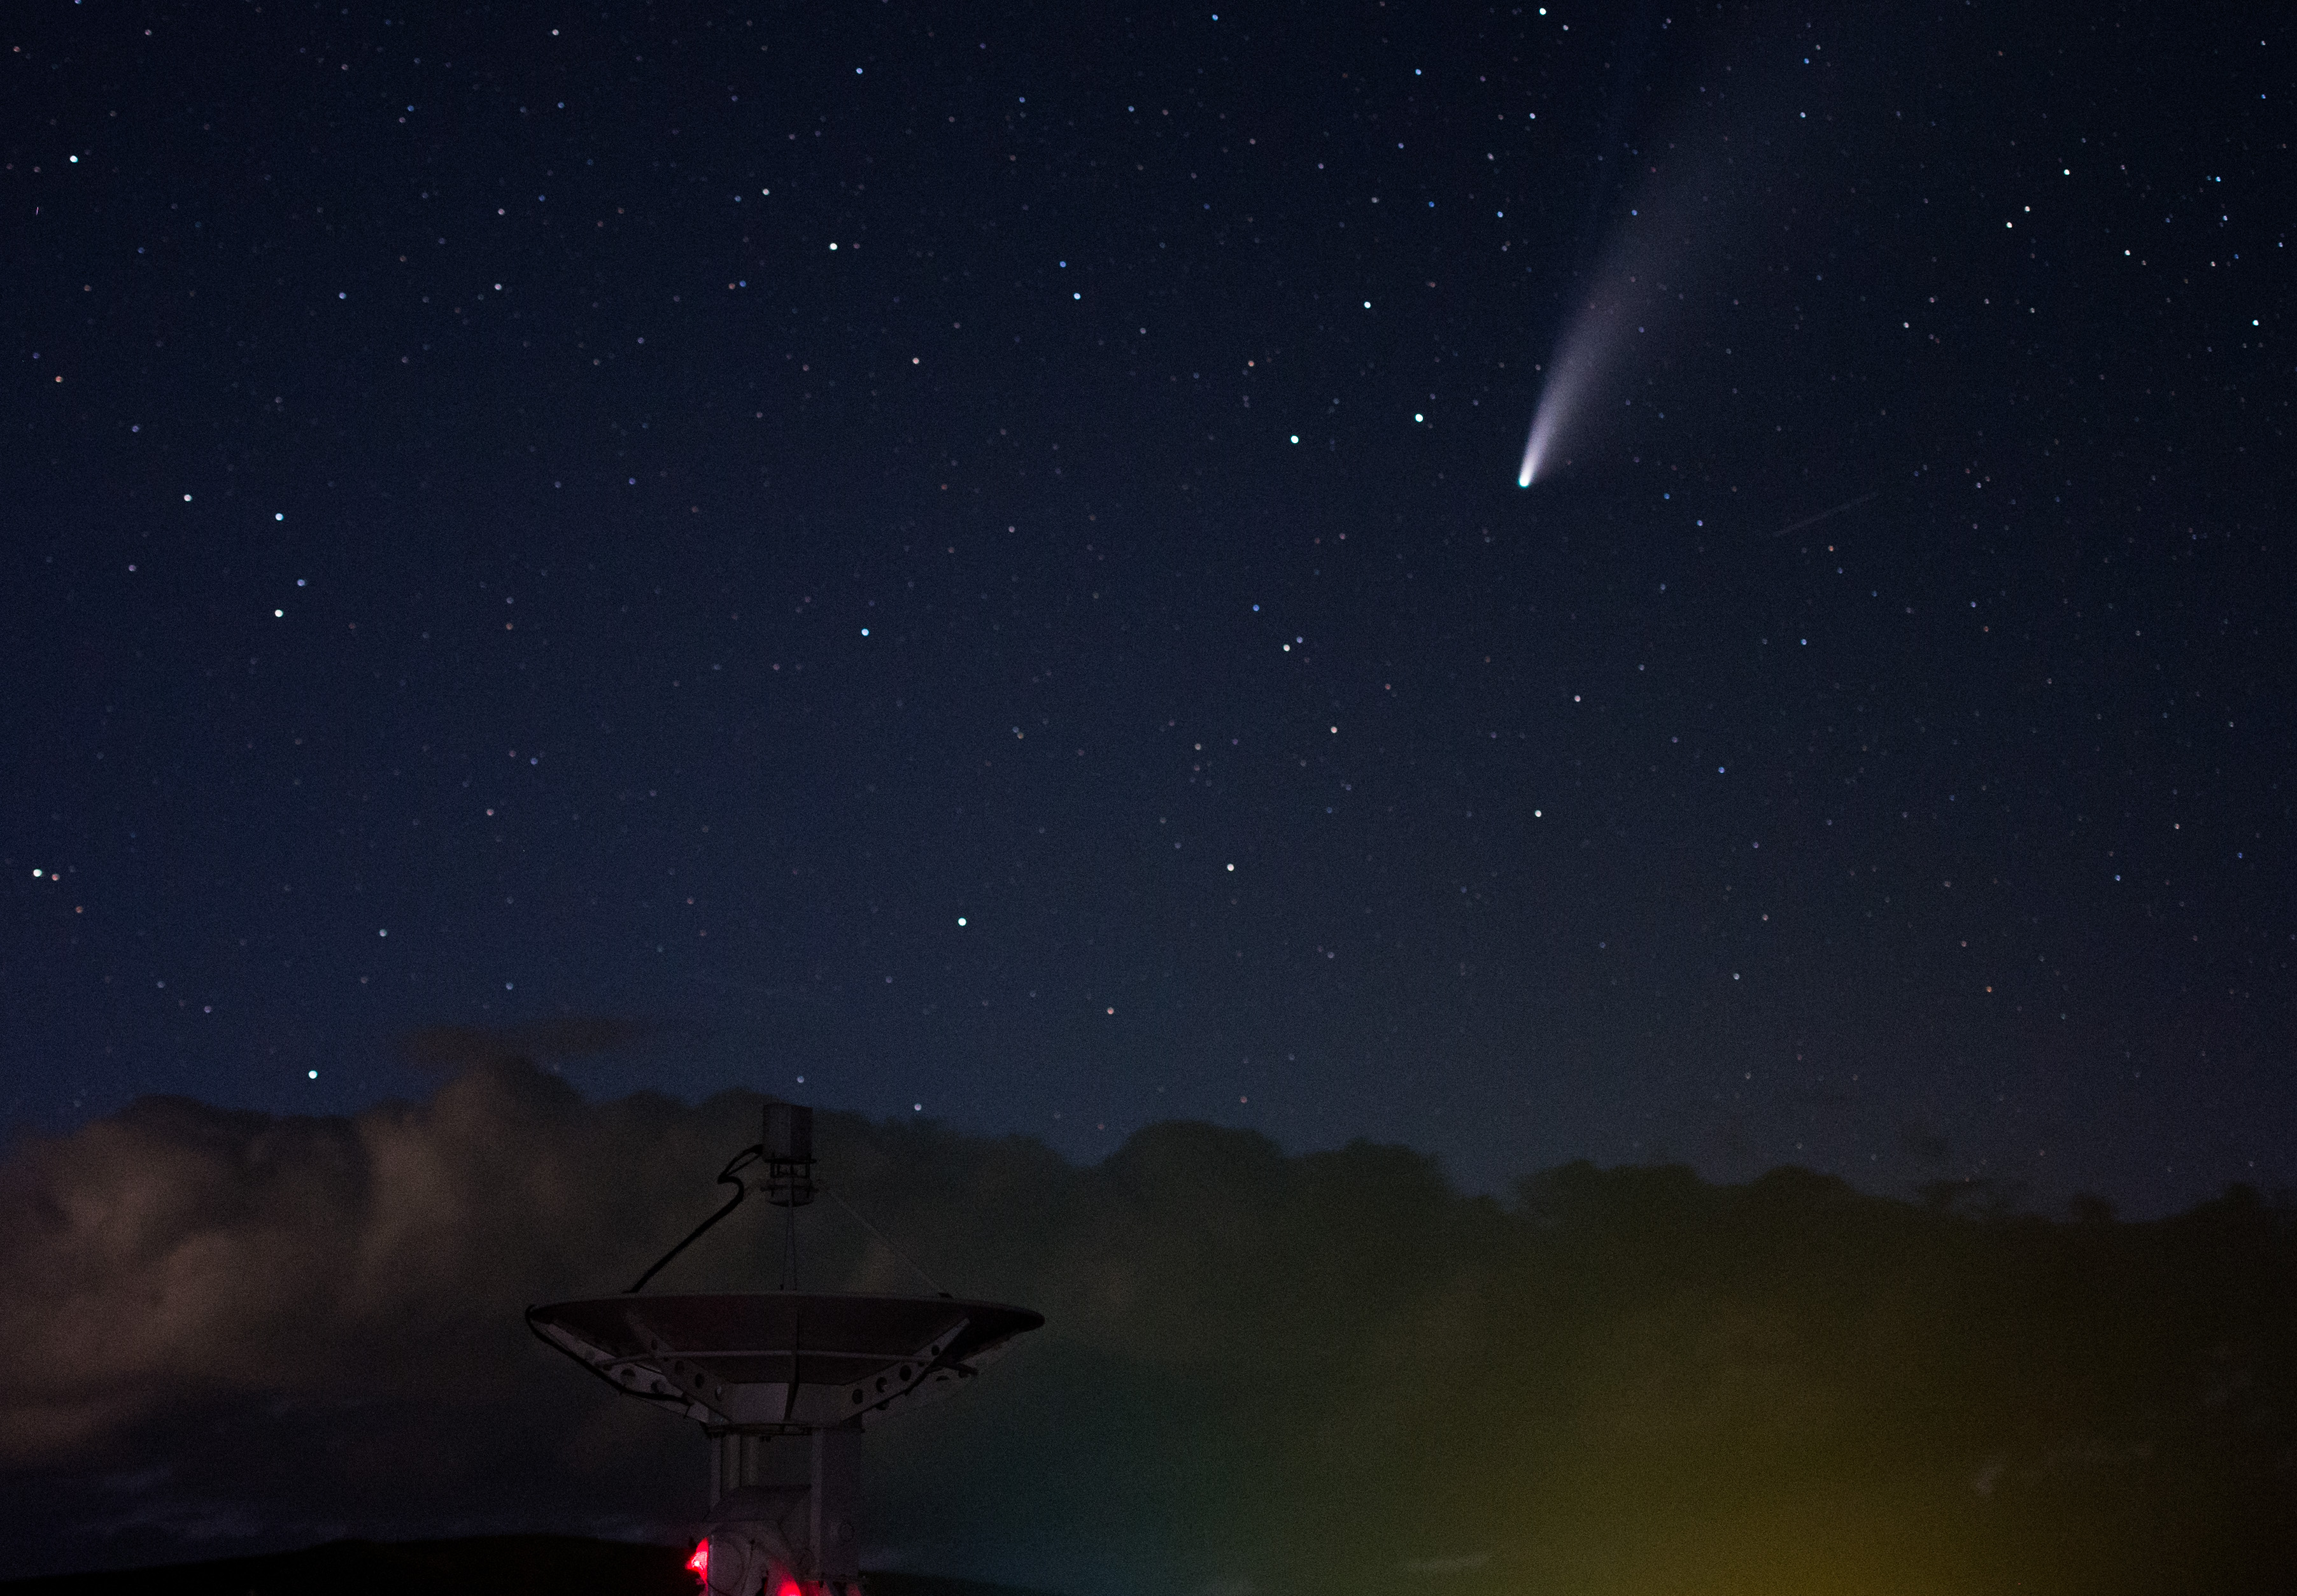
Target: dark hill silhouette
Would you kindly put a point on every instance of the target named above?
(481, 1565)
(1325, 1373)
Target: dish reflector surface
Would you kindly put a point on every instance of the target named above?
(783, 1361)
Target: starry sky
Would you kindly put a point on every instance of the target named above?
(971, 567)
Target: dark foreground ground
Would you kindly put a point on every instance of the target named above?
(487, 1565)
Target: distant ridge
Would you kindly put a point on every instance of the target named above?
(481, 1565)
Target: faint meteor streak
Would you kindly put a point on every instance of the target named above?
(1847, 504)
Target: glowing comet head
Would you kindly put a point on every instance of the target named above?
(1555, 401)
(1536, 447)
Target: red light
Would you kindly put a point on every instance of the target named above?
(699, 1563)
(788, 1587)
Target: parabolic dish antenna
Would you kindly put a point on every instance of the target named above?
(782, 1382)
(772, 1363)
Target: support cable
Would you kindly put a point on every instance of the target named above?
(888, 1246)
(731, 1175)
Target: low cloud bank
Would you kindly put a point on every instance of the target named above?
(225, 1331)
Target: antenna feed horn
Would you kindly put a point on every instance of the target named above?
(789, 1149)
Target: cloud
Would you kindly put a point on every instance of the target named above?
(227, 1330)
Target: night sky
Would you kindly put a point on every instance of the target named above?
(967, 563)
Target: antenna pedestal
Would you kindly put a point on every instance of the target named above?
(814, 1527)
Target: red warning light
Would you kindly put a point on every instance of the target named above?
(698, 1564)
(788, 1587)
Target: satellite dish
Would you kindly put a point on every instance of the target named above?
(783, 1362)
(782, 1382)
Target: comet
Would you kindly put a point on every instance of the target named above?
(1585, 351)
(1589, 349)
(1640, 282)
